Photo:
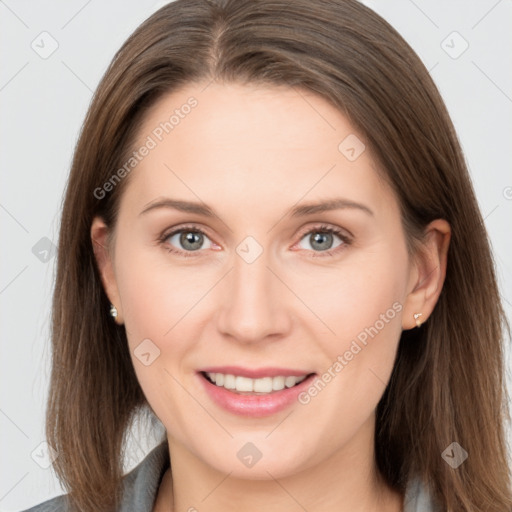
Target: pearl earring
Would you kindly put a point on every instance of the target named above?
(113, 311)
(416, 317)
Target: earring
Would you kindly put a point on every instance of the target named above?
(113, 311)
(416, 317)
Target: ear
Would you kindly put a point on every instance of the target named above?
(104, 259)
(427, 274)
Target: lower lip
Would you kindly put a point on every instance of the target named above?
(255, 406)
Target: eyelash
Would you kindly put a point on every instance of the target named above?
(316, 254)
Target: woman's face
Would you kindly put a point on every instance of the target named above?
(261, 287)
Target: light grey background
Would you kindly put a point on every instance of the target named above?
(44, 101)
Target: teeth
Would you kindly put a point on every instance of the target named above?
(245, 385)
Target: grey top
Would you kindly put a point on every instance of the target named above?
(142, 482)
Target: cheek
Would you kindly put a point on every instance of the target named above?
(364, 311)
(163, 310)
(155, 299)
(356, 296)
(362, 308)
(155, 294)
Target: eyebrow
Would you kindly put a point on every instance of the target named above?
(299, 211)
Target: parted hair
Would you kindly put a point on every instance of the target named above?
(448, 381)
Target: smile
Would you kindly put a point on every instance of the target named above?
(254, 397)
(246, 385)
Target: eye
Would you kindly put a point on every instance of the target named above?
(187, 239)
(321, 239)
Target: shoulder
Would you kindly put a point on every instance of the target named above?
(140, 485)
(57, 504)
(418, 498)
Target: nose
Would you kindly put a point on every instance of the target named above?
(253, 307)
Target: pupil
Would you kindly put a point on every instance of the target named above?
(189, 238)
(318, 238)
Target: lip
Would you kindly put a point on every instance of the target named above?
(255, 373)
(255, 406)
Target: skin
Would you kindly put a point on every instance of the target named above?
(252, 153)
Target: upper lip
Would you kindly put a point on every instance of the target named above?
(255, 373)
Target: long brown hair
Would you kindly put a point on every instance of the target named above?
(448, 381)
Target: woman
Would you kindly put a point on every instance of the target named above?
(227, 142)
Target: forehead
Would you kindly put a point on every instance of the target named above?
(252, 146)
